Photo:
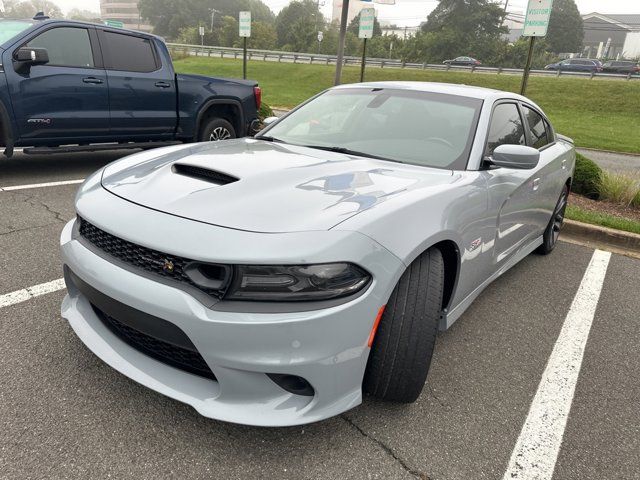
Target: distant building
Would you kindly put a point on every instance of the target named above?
(611, 36)
(354, 9)
(125, 11)
(401, 32)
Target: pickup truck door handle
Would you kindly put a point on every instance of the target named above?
(94, 80)
(163, 85)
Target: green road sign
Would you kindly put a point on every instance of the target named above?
(114, 23)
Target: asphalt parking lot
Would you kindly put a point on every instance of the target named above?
(64, 414)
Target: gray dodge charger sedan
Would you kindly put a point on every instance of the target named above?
(273, 280)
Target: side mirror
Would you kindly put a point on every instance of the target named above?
(515, 156)
(268, 121)
(32, 56)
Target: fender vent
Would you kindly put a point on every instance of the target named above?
(205, 174)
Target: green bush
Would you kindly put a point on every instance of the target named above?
(587, 177)
(265, 111)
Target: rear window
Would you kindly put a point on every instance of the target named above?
(129, 53)
(537, 128)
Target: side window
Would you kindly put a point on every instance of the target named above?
(67, 47)
(129, 54)
(537, 128)
(506, 127)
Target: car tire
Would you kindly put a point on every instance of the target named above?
(401, 352)
(552, 232)
(215, 130)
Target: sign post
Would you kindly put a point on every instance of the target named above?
(367, 20)
(245, 32)
(320, 37)
(201, 31)
(536, 24)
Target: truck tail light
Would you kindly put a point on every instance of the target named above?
(257, 92)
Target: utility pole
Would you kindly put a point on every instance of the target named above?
(343, 33)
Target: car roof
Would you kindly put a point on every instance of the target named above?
(444, 88)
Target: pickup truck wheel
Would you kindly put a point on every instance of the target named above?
(216, 129)
(401, 352)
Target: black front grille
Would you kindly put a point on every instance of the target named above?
(184, 359)
(163, 264)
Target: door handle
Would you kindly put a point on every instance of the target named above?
(93, 80)
(536, 184)
(564, 164)
(162, 85)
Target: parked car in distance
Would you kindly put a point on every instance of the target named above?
(576, 65)
(621, 66)
(76, 85)
(272, 280)
(465, 61)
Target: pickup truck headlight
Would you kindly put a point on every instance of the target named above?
(294, 283)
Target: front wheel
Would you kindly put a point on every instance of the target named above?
(215, 130)
(552, 232)
(401, 352)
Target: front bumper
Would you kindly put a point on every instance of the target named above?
(326, 347)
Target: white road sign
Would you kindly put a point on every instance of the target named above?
(367, 18)
(245, 24)
(536, 22)
(201, 31)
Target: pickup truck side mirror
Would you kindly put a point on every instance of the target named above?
(27, 57)
(515, 156)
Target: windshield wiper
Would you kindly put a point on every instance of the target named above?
(267, 138)
(348, 151)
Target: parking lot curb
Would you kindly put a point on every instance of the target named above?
(618, 241)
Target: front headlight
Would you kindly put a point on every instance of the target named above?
(294, 283)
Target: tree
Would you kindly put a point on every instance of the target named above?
(263, 36)
(169, 17)
(461, 27)
(28, 8)
(566, 30)
(84, 15)
(297, 25)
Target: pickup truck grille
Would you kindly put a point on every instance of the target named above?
(158, 263)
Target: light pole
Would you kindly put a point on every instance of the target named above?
(213, 12)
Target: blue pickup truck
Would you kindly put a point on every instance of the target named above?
(74, 86)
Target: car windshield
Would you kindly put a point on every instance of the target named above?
(407, 126)
(10, 28)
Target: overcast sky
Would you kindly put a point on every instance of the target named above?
(412, 12)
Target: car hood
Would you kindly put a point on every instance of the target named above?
(279, 188)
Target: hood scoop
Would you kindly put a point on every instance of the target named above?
(211, 176)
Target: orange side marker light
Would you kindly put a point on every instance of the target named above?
(372, 335)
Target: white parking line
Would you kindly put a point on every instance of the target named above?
(537, 448)
(25, 294)
(40, 185)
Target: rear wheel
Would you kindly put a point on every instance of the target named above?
(403, 346)
(551, 234)
(216, 129)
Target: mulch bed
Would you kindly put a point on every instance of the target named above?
(612, 209)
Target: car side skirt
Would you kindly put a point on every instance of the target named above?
(448, 318)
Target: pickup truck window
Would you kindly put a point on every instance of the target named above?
(67, 47)
(129, 54)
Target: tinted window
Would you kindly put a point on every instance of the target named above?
(67, 47)
(537, 128)
(129, 54)
(506, 127)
